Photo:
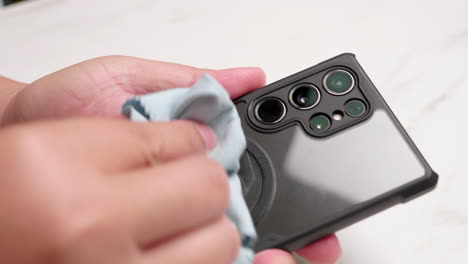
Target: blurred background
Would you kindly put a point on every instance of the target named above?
(416, 52)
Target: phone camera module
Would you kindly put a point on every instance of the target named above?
(270, 110)
(355, 108)
(320, 123)
(338, 82)
(304, 96)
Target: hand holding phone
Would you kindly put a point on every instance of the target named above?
(324, 151)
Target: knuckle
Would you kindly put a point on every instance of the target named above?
(151, 144)
(27, 142)
(153, 152)
(73, 232)
(58, 239)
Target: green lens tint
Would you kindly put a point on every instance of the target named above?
(339, 82)
(320, 123)
(305, 96)
(355, 108)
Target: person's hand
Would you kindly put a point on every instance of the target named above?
(325, 251)
(136, 194)
(98, 87)
(112, 191)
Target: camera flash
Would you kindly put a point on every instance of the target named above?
(337, 115)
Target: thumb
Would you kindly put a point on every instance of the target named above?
(274, 256)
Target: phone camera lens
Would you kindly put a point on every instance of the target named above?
(355, 108)
(338, 82)
(320, 123)
(270, 110)
(304, 96)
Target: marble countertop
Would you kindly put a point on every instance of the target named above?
(416, 52)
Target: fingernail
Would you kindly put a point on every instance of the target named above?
(208, 136)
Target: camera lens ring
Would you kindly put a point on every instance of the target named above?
(355, 108)
(304, 85)
(278, 103)
(320, 123)
(330, 91)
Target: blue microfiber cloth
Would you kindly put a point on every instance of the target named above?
(208, 103)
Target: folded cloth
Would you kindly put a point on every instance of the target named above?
(208, 103)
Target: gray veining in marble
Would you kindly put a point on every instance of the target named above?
(416, 52)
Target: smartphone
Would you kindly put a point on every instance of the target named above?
(324, 151)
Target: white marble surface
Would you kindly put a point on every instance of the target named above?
(416, 52)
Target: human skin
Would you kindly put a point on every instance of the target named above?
(98, 87)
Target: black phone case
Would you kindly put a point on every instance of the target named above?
(301, 186)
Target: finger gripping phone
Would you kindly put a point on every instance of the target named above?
(324, 151)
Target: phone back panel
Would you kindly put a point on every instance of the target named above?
(300, 187)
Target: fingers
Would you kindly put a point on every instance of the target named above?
(173, 197)
(274, 256)
(214, 243)
(100, 86)
(11, 84)
(120, 145)
(8, 91)
(325, 251)
(146, 76)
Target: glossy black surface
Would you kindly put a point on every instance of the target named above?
(301, 184)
